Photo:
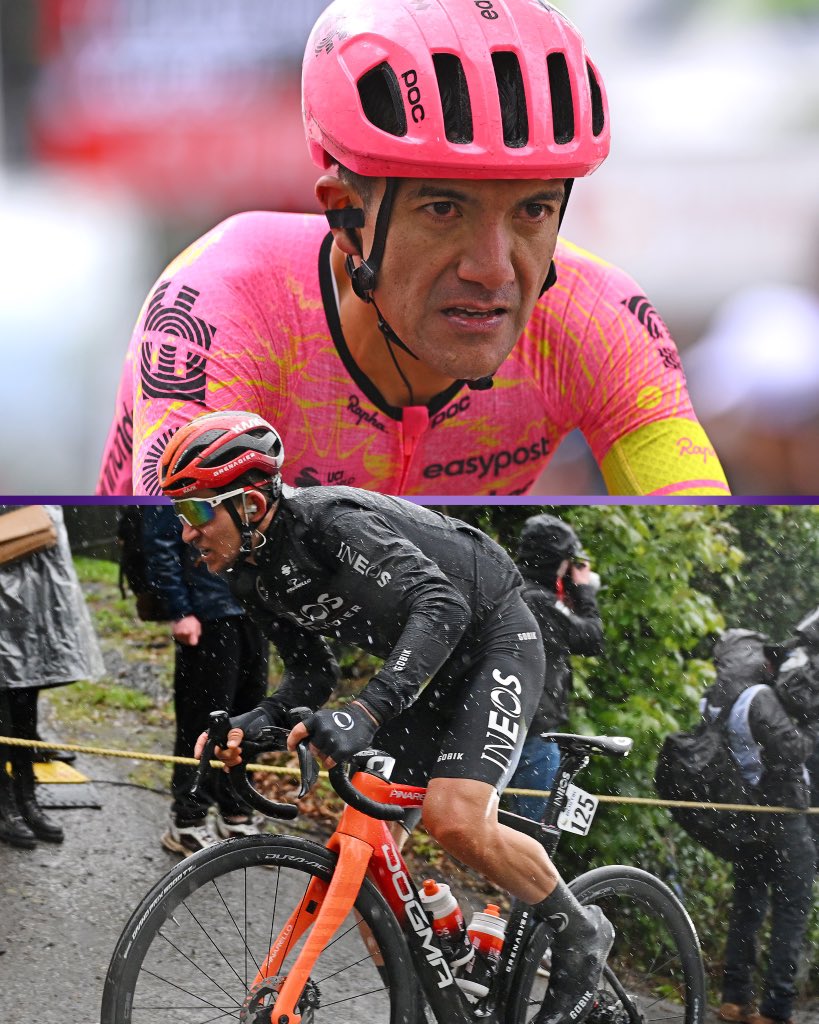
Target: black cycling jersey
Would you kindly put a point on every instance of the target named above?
(429, 594)
(395, 579)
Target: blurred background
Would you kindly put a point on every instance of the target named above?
(129, 127)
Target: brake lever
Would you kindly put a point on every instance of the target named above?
(217, 737)
(308, 766)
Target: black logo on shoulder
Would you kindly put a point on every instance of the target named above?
(670, 358)
(162, 378)
(647, 315)
(150, 475)
(308, 477)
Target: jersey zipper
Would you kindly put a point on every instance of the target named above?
(414, 421)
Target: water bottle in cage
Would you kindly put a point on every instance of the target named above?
(486, 931)
(447, 922)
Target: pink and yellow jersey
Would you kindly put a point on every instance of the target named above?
(246, 318)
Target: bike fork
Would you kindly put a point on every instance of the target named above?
(324, 906)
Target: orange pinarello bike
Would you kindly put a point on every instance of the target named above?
(276, 929)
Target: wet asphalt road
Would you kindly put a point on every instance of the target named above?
(62, 907)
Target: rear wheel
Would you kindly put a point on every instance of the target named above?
(191, 950)
(654, 971)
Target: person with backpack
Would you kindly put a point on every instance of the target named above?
(771, 751)
(220, 662)
(559, 588)
(798, 686)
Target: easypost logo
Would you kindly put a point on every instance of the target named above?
(490, 465)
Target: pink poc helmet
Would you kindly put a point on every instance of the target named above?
(452, 89)
(448, 89)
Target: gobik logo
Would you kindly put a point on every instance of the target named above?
(175, 369)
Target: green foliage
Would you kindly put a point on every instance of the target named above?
(778, 581)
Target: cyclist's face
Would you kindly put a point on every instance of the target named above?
(218, 541)
(464, 265)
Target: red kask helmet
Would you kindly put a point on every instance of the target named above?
(452, 89)
(214, 449)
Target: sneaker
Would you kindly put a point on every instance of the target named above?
(188, 839)
(576, 973)
(227, 829)
(737, 1013)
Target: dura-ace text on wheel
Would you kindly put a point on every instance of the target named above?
(192, 949)
(654, 970)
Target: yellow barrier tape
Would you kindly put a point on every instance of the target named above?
(645, 801)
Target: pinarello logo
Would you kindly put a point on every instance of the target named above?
(403, 794)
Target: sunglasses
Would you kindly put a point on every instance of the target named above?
(198, 512)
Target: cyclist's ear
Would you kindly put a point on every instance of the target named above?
(335, 196)
(257, 505)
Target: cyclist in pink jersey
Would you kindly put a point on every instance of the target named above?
(438, 339)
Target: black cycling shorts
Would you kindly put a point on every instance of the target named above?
(471, 719)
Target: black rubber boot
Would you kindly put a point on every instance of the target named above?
(13, 828)
(24, 789)
(582, 939)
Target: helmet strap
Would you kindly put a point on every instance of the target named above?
(364, 277)
(551, 277)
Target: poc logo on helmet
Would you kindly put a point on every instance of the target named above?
(343, 720)
(414, 94)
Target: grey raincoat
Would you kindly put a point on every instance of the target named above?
(46, 634)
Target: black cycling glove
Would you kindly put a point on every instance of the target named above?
(269, 712)
(342, 732)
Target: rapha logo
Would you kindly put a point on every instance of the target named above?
(687, 447)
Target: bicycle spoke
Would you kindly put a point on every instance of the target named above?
(196, 960)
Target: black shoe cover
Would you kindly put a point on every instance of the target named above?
(577, 966)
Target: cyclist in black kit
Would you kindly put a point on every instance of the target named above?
(438, 601)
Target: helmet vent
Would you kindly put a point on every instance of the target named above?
(454, 98)
(381, 100)
(598, 116)
(512, 97)
(560, 88)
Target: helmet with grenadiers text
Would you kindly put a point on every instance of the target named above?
(217, 449)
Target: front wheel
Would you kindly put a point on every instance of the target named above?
(654, 971)
(192, 949)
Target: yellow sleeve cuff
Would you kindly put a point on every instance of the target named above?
(670, 457)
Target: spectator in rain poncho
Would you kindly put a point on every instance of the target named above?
(46, 639)
(771, 752)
